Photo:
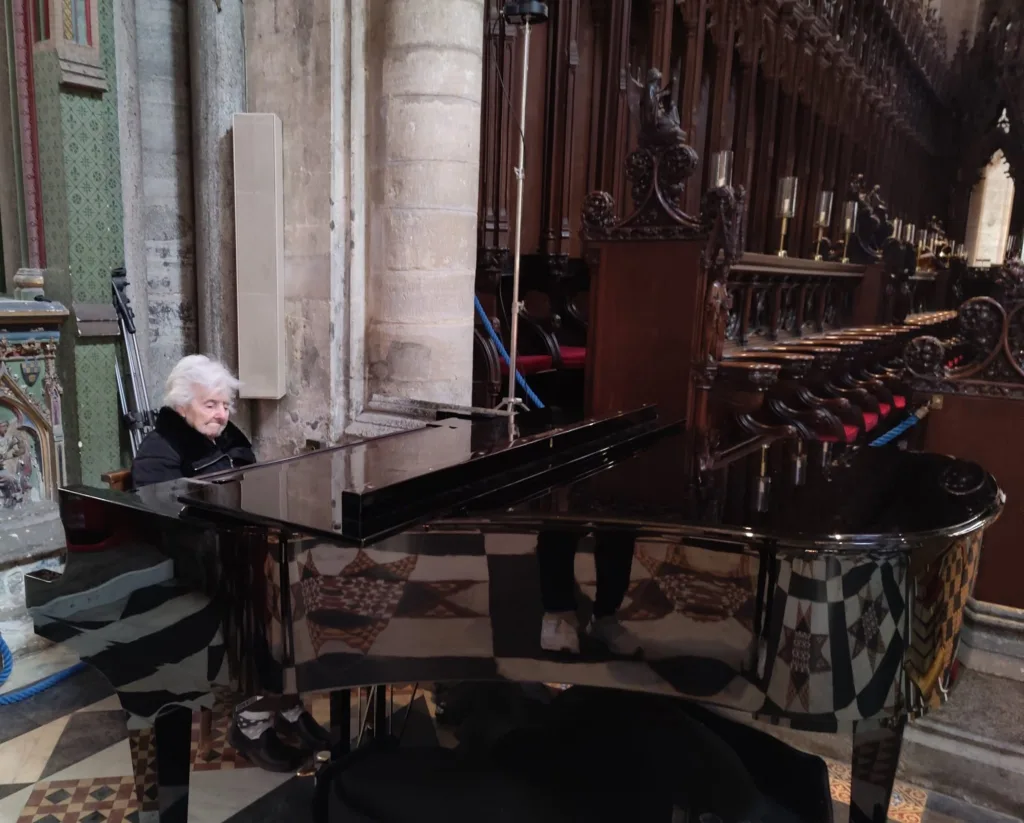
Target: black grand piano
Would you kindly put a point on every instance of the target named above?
(834, 605)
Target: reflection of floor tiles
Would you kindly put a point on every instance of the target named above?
(144, 769)
(92, 800)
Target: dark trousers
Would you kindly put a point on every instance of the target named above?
(613, 557)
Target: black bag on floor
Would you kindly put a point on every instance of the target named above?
(598, 756)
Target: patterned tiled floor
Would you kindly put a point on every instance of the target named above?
(67, 756)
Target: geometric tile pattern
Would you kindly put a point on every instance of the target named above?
(79, 158)
(907, 804)
(116, 799)
(937, 616)
(90, 800)
(217, 754)
(144, 762)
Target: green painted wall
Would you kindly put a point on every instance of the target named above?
(80, 173)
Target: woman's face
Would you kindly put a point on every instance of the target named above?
(208, 412)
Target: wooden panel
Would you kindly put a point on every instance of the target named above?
(979, 429)
(645, 300)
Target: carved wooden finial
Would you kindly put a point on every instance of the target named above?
(657, 171)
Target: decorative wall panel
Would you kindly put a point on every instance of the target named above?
(81, 183)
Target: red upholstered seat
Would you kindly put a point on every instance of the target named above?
(851, 433)
(870, 420)
(884, 409)
(900, 401)
(573, 357)
(531, 363)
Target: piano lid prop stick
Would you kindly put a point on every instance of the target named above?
(525, 14)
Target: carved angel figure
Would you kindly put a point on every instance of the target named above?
(656, 110)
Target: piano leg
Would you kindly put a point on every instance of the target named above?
(205, 730)
(380, 711)
(341, 721)
(173, 739)
(876, 754)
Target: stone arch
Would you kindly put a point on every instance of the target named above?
(28, 469)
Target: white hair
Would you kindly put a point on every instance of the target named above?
(198, 371)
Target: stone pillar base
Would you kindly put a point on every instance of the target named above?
(29, 284)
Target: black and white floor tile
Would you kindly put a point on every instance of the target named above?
(67, 756)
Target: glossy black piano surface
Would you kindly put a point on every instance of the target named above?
(834, 605)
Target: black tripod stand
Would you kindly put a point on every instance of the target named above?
(136, 411)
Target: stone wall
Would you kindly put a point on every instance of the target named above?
(170, 277)
(425, 78)
(288, 72)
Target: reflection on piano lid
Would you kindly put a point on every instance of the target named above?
(625, 469)
(370, 489)
(883, 499)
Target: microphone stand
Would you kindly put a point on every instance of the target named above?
(524, 14)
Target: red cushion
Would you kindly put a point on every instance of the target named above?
(573, 357)
(870, 420)
(900, 401)
(851, 433)
(531, 363)
(884, 409)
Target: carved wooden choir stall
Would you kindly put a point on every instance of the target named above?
(785, 101)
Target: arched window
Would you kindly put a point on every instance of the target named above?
(988, 220)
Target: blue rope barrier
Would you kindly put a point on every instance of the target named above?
(7, 660)
(904, 425)
(18, 695)
(504, 354)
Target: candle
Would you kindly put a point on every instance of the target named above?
(824, 210)
(849, 216)
(787, 197)
(721, 169)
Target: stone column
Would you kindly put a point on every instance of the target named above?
(129, 121)
(217, 69)
(425, 130)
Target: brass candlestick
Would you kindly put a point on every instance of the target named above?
(782, 238)
(786, 208)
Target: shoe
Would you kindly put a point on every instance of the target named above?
(615, 637)
(310, 734)
(559, 632)
(267, 751)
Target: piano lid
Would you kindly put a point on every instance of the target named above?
(372, 488)
(884, 498)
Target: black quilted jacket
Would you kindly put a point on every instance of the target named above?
(174, 450)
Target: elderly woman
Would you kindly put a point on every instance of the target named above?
(193, 434)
